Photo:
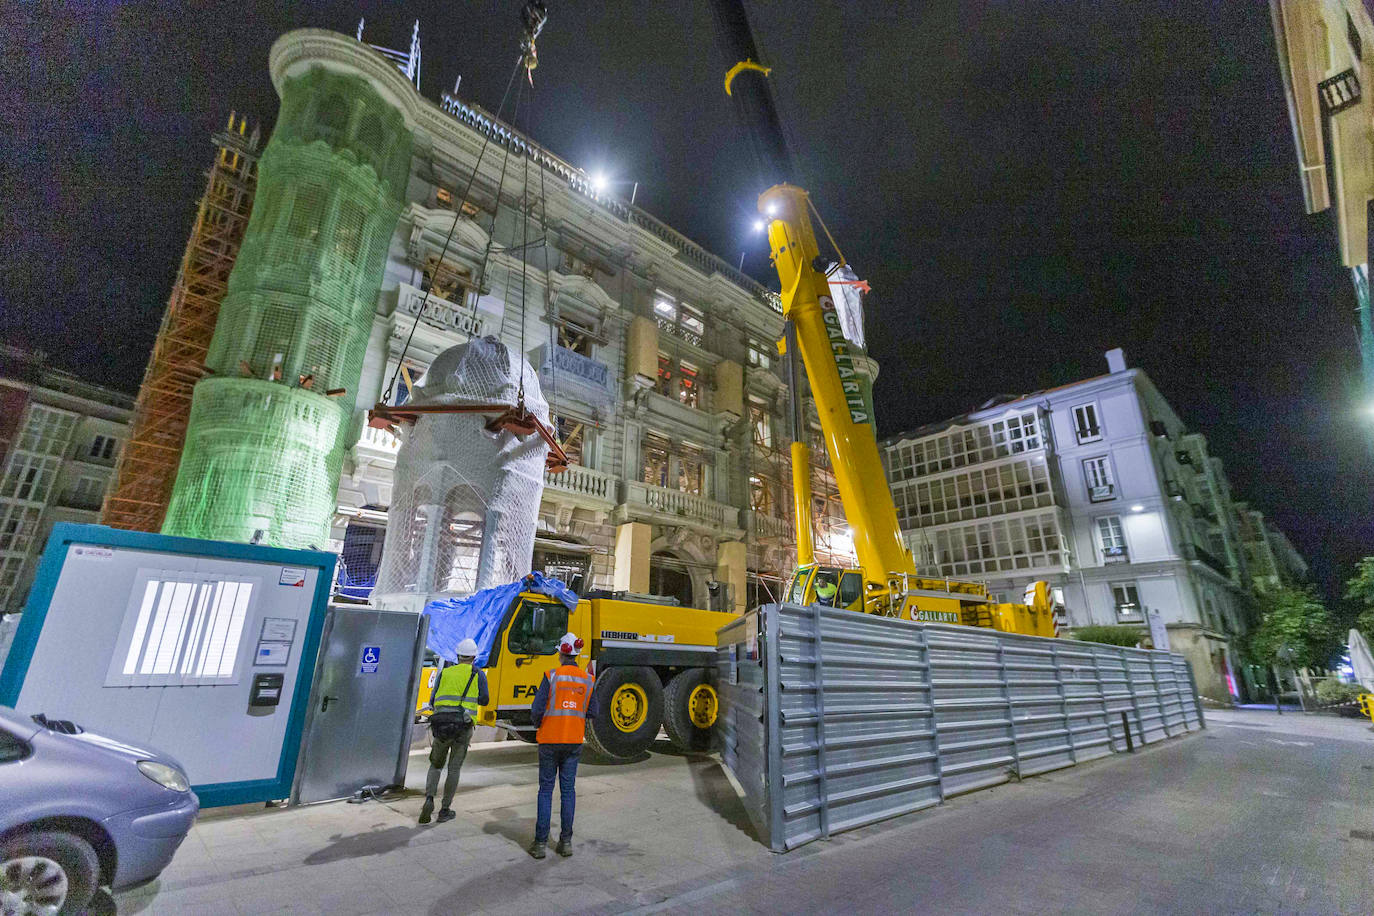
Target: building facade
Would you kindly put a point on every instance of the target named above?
(659, 360)
(59, 440)
(1098, 488)
(1326, 50)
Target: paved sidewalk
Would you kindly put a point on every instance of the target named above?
(639, 826)
(1260, 813)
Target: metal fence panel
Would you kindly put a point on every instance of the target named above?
(831, 720)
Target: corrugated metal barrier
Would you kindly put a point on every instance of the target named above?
(831, 719)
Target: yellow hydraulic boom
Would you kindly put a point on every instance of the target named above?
(886, 581)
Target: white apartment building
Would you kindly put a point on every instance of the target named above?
(59, 438)
(1098, 488)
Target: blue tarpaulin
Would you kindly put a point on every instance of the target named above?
(478, 616)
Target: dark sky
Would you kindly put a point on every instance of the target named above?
(1025, 184)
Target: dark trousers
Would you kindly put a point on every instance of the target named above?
(455, 751)
(560, 760)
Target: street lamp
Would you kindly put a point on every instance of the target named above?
(601, 182)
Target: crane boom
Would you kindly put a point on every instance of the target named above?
(846, 423)
(886, 581)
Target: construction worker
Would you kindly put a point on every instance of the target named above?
(825, 592)
(560, 711)
(458, 691)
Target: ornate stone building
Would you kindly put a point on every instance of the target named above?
(658, 359)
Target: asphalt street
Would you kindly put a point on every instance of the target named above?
(1257, 814)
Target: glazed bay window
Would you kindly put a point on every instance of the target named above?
(1126, 598)
(1097, 475)
(1025, 542)
(1111, 540)
(679, 318)
(1086, 426)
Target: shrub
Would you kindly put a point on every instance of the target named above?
(1332, 692)
(1129, 637)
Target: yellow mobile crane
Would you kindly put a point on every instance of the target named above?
(886, 581)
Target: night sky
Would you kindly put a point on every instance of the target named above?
(1025, 184)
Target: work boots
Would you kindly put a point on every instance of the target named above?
(564, 847)
(445, 814)
(536, 849)
(427, 809)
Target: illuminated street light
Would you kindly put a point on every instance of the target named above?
(599, 182)
(759, 225)
(1137, 508)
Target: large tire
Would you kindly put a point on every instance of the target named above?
(58, 868)
(627, 711)
(690, 706)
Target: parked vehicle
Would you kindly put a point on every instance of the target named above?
(82, 811)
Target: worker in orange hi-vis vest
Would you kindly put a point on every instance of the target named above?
(560, 712)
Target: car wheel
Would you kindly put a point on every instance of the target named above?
(47, 872)
(627, 706)
(690, 707)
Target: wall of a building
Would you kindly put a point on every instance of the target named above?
(57, 464)
(604, 271)
(1183, 546)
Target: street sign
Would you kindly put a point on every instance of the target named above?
(371, 658)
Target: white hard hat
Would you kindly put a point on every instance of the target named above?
(467, 648)
(570, 644)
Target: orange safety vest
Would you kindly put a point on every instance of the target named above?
(565, 717)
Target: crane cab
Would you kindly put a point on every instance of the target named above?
(905, 596)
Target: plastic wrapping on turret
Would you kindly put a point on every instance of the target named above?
(478, 616)
(465, 501)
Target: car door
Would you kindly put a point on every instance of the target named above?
(851, 592)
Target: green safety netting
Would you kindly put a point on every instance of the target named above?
(263, 448)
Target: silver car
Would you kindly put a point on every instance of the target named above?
(78, 811)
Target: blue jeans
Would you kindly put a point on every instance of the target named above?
(560, 760)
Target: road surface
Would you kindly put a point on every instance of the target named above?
(1259, 813)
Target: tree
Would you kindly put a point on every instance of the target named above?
(1111, 635)
(1297, 618)
(1359, 588)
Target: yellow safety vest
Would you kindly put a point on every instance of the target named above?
(449, 691)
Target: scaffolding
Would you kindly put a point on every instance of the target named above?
(147, 465)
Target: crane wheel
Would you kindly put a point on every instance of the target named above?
(627, 710)
(690, 708)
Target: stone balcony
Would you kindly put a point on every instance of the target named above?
(580, 486)
(379, 442)
(663, 506)
(767, 527)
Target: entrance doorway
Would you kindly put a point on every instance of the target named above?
(670, 578)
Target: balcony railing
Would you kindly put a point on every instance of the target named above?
(687, 505)
(484, 123)
(379, 439)
(583, 482)
(767, 526)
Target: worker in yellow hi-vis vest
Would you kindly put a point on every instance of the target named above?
(458, 692)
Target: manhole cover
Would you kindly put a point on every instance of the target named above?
(1362, 835)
